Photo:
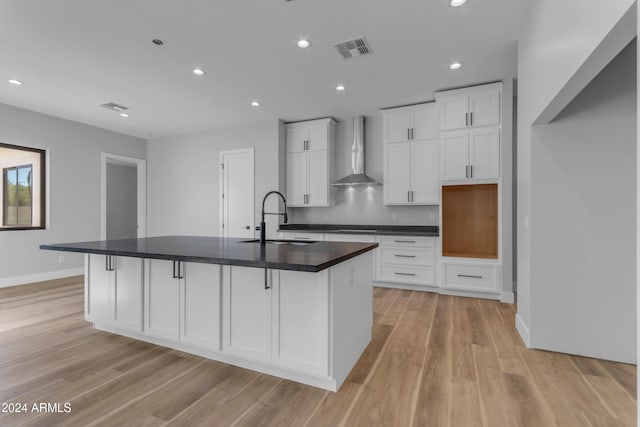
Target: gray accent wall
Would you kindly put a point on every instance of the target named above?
(73, 180)
(122, 201)
(358, 205)
(583, 202)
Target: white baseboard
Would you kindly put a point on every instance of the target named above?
(507, 297)
(40, 277)
(523, 330)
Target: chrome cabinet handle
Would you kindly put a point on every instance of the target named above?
(404, 241)
(404, 274)
(470, 119)
(466, 119)
(405, 256)
(301, 238)
(470, 276)
(466, 171)
(109, 263)
(470, 171)
(408, 196)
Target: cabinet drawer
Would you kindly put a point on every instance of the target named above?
(300, 236)
(410, 275)
(409, 256)
(407, 241)
(481, 278)
(349, 238)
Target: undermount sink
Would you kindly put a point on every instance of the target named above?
(282, 242)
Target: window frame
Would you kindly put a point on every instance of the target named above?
(43, 188)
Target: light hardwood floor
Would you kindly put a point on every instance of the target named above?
(433, 361)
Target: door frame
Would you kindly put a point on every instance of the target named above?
(141, 168)
(250, 150)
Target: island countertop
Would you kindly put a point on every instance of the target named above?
(305, 256)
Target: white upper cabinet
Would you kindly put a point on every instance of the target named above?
(309, 166)
(470, 130)
(410, 164)
(469, 107)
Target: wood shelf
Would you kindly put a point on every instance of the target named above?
(470, 221)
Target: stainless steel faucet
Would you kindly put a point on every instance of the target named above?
(263, 227)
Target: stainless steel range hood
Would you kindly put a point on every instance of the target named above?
(358, 177)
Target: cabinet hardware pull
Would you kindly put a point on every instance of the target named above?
(404, 274)
(470, 171)
(412, 195)
(411, 133)
(470, 276)
(405, 256)
(180, 273)
(408, 134)
(466, 171)
(109, 263)
(471, 119)
(301, 238)
(466, 119)
(266, 281)
(404, 241)
(175, 276)
(408, 196)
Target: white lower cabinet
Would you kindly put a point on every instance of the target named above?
(246, 313)
(470, 276)
(114, 291)
(182, 302)
(300, 321)
(406, 260)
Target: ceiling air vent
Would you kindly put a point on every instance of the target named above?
(115, 107)
(353, 48)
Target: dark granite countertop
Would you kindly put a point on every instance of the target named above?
(400, 230)
(311, 257)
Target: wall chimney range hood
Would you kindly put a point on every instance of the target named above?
(358, 177)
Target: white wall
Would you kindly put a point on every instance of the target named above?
(557, 39)
(583, 252)
(183, 175)
(73, 170)
(122, 201)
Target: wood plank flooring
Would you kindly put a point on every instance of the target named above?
(434, 361)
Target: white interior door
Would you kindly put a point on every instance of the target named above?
(237, 193)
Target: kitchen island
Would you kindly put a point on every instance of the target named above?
(297, 310)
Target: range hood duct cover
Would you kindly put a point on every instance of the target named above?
(358, 177)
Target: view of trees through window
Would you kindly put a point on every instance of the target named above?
(18, 195)
(23, 189)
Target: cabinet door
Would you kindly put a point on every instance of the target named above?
(246, 308)
(300, 321)
(161, 300)
(128, 293)
(296, 178)
(296, 136)
(396, 126)
(397, 173)
(454, 155)
(98, 292)
(484, 155)
(317, 137)
(425, 122)
(318, 178)
(453, 110)
(424, 168)
(484, 107)
(200, 322)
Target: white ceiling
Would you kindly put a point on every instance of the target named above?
(74, 55)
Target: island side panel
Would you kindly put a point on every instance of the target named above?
(352, 317)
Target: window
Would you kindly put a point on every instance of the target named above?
(23, 187)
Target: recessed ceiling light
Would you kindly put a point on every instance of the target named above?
(304, 43)
(125, 115)
(341, 88)
(198, 72)
(15, 82)
(255, 104)
(456, 3)
(455, 66)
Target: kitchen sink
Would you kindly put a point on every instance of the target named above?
(282, 242)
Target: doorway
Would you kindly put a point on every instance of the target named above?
(123, 197)
(237, 193)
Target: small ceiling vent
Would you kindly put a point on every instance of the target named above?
(353, 48)
(115, 107)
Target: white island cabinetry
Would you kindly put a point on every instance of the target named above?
(304, 326)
